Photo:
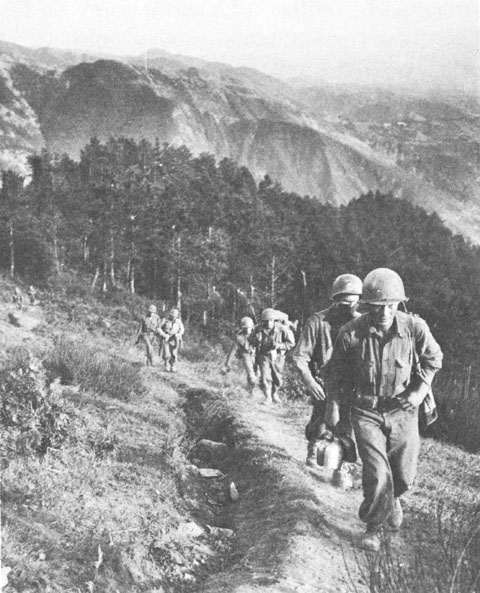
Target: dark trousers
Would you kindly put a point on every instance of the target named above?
(316, 425)
(388, 445)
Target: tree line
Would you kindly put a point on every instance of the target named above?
(206, 236)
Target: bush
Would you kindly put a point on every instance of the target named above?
(34, 417)
(458, 401)
(453, 566)
(78, 363)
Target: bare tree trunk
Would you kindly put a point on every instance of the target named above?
(131, 276)
(272, 287)
(95, 279)
(86, 250)
(112, 259)
(105, 275)
(179, 294)
(55, 247)
(11, 247)
(304, 296)
(179, 291)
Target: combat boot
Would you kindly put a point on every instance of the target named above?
(267, 401)
(371, 539)
(395, 520)
(275, 398)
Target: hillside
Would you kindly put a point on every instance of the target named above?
(117, 502)
(329, 143)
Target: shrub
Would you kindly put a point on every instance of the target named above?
(458, 401)
(34, 417)
(78, 363)
(452, 567)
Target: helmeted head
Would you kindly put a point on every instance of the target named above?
(174, 314)
(383, 291)
(246, 324)
(152, 309)
(346, 289)
(383, 287)
(268, 317)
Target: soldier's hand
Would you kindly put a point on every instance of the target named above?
(411, 399)
(315, 390)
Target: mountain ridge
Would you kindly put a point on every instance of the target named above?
(331, 144)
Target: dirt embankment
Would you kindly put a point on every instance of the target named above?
(293, 531)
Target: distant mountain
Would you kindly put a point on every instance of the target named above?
(330, 142)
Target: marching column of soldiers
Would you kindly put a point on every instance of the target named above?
(368, 375)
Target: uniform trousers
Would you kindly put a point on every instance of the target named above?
(388, 445)
(271, 367)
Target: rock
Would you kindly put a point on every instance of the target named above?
(214, 446)
(190, 529)
(233, 492)
(206, 472)
(220, 531)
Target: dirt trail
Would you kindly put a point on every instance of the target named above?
(295, 531)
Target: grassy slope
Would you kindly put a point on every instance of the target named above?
(112, 509)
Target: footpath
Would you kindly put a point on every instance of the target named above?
(294, 531)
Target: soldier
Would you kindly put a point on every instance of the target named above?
(243, 350)
(147, 332)
(271, 341)
(171, 331)
(18, 298)
(32, 293)
(314, 349)
(382, 368)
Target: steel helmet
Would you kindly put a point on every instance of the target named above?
(382, 287)
(346, 284)
(152, 309)
(174, 313)
(269, 314)
(246, 322)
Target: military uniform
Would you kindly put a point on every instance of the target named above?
(148, 332)
(171, 332)
(311, 355)
(244, 351)
(367, 371)
(271, 346)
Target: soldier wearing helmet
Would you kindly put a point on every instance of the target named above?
(313, 351)
(171, 331)
(244, 351)
(380, 372)
(148, 332)
(271, 341)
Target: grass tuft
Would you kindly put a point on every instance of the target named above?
(79, 363)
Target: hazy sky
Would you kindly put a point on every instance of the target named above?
(414, 42)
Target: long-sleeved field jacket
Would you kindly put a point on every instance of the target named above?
(240, 347)
(279, 339)
(315, 345)
(364, 363)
